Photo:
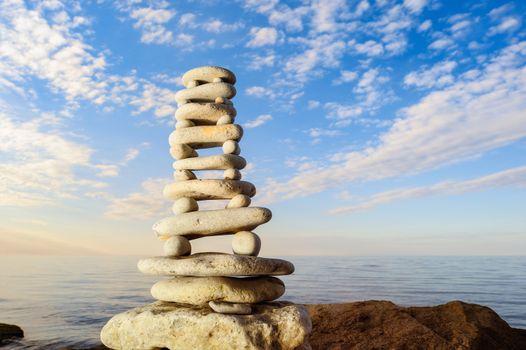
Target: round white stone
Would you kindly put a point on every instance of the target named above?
(246, 243)
(181, 124)
(177, 246)
(231, 147)
(226, 119)
(219, 100)
(192, 84)
(231, 174)
(217, 80)
(185, 205)
(239, 201)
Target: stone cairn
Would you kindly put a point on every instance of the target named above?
(211, 300)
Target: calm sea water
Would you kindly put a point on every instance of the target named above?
(64, 301)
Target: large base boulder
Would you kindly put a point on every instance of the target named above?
(276, 325)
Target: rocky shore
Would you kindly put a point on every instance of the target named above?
(383, 325)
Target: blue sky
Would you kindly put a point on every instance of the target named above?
(371, 127)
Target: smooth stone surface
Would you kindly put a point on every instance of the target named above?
(231, 147)
(182, 151)
(232, 174)
(184, 175)
(201, 189)
(215, 264)
(177, 246)
(226, 119)
(197, 224)
(184, 124)
(208, 74)
(239, 201)
(185, 205)
(205, 93)
(216, 162)
(206, 136)
(246, 243)
(204, 113)
(272, 326)
(201, 290)
(230, 308)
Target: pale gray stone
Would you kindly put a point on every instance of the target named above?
(202, 223)
(231, 147)
(216, 162)
(230, 308)
(184, 124)
(215, 264)
(205, 93)
(182, 151)
(204, 113)
(177, 246)
(208, 74)
(201, 290)
(201, 189)
(184, 205)
(206, 136)
(272, 326)
(246, 243)
(226, 119)
(184, 175)
(239, 201)
(232, 174)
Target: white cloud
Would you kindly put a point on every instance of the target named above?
(260, 91)
(160, 100)
(346, 76)
(215, 25)
(369, 48)
(262, 36)
(392, 26)
(508, 178)
(313, 104)
(260, 120)
(437, 76)
(325, 14)
(507, 24)
(442, 43)
(257, 62)
(362, 7)
(446, 126)
(425, 25)
(415, 6)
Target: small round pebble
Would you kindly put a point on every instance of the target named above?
(220, 100)
(177, 246)
(231, 147)
(226, 119)
(184, 205)
(184, 175)
(246, 243)
(217, 80)
(231, 174)
(181, 124)
(239, 201)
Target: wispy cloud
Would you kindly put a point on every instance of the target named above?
(258, 121)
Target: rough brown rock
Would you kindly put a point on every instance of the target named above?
(10, 331)
(375, 325)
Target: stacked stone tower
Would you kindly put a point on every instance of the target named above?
(211, 300)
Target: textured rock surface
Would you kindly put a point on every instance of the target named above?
(384, 325)
(216, 162)
(197, 224)
(215, 264)
(230, 308)
(207, 74)
(204, 113)
(10, 331)
(205, 93)
(206, 136)
(200, 290)
(168, 325)
(209, 189)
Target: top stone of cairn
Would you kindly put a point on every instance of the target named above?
(208, 74)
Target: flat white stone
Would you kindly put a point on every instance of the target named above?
(202, 189)
(230, 308)
(182, 151)
(239, 201)
(215, 264)
(206, 136)
(184, 205)
(208, 74)
(197, 224)
(177, 246)
(271, 326)
(246, 243)
(201, 290)
(184, 124)
(205, 93)
(204, 113)
(216, 162)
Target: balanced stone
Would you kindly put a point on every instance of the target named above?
(246, 243)
(182, 151)
(177, 246)
(184, 175)
(215, 264)
(201, 290)
(208, 74)
(209, 189)
(239, 201)
(184, 205)
(230, 308)
(226, 119)
(206, 136)
(231, 147)
(205, 113)
(205, 93)
(184, 124)
(198, 224)
(231, 174)
(161, 325)
(216, 162)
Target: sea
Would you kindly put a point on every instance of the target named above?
(63, 302)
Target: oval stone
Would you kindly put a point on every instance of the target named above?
(204, 113)
(182, 151)
(205, 93)
(202, 189)
(216, 162)
(197, 224)
(215, 264)
(206, 136)
(239, 201)
(246, 243)
(207, 74)
(201, 290)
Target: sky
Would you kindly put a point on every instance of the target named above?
(371, 127)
